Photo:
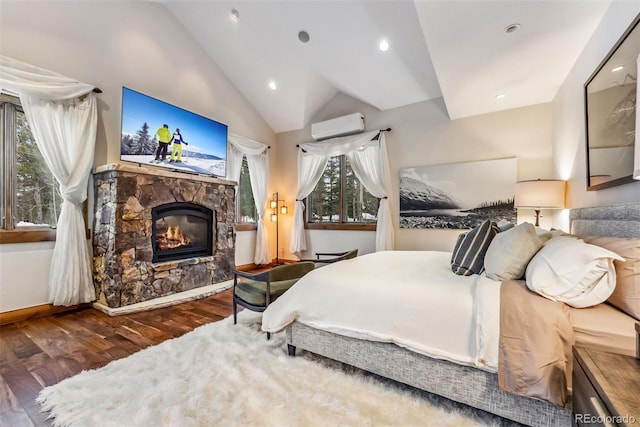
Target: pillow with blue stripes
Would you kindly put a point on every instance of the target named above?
(468, 253)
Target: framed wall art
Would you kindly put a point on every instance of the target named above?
(458, 195)
(610, 112)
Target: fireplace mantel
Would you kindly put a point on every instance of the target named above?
(125, 194)
(160, 171)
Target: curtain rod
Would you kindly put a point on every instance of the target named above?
(376, 137)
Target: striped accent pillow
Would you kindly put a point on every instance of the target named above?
(468, 253)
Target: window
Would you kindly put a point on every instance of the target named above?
(246, 206)
(340, 201)
(29, 194)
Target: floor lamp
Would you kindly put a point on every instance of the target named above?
(275, 214)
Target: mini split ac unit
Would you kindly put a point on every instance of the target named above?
(340, 126)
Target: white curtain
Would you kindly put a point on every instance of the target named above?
(64, 127)
(258, 162)
(371, 167)
(370, 163)
(636, 148)
(310, 168)
(25, 79)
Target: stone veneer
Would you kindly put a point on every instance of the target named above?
(122, 250)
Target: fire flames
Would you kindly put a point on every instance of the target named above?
(172, 238)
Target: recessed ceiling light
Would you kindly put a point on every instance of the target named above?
(618, 68)
(511, 28)
(272, 85)
(500, 96)
(384, 45)
(303, 36)
(235, 15)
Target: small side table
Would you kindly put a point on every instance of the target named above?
(606, 389)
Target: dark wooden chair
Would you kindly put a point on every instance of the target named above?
(263, 288)
(335, 257)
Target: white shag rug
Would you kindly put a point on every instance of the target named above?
(223, 374)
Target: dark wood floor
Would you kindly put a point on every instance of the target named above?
(40, 352)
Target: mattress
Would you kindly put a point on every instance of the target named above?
(604, 328)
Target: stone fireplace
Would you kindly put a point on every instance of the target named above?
(159, 233)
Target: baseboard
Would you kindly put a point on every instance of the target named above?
(35, 311)
(247, 267)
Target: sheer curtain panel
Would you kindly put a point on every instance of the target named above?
(370, 163)
(62, 115)
(20, 78)
(258, 162)
(310, 168)
(371, 167)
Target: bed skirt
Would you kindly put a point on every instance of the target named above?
(463, 384)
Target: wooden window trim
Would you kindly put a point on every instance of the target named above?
(27, 235)
(40, 234)
(340, 226)
(13, 234)
(32, 234)
(246, 226)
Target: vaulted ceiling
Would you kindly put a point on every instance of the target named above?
(459, 50)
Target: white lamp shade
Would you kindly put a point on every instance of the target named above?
(540, 194)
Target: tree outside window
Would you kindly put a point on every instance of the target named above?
(30, 194)
(340, 197)
(358, 204)
(246, 209)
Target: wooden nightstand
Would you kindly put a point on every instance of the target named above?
(606, 389)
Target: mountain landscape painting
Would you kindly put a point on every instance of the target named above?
(459, 195)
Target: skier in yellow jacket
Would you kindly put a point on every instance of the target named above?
(164, 139)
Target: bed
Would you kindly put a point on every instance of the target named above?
(462, 369)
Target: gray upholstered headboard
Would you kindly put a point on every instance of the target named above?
(617, 220)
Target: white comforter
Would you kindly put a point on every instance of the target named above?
(410, 298)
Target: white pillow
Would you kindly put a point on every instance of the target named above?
(568, 270)
(510, 251)
(543, 234)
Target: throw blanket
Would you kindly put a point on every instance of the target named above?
(536, 337)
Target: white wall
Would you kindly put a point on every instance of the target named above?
(423, 135)
(569, 146)
(114, 44)
(245, 244)
(24, 274)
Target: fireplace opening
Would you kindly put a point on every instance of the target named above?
(181, 230)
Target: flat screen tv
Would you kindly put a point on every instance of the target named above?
(147, 121)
